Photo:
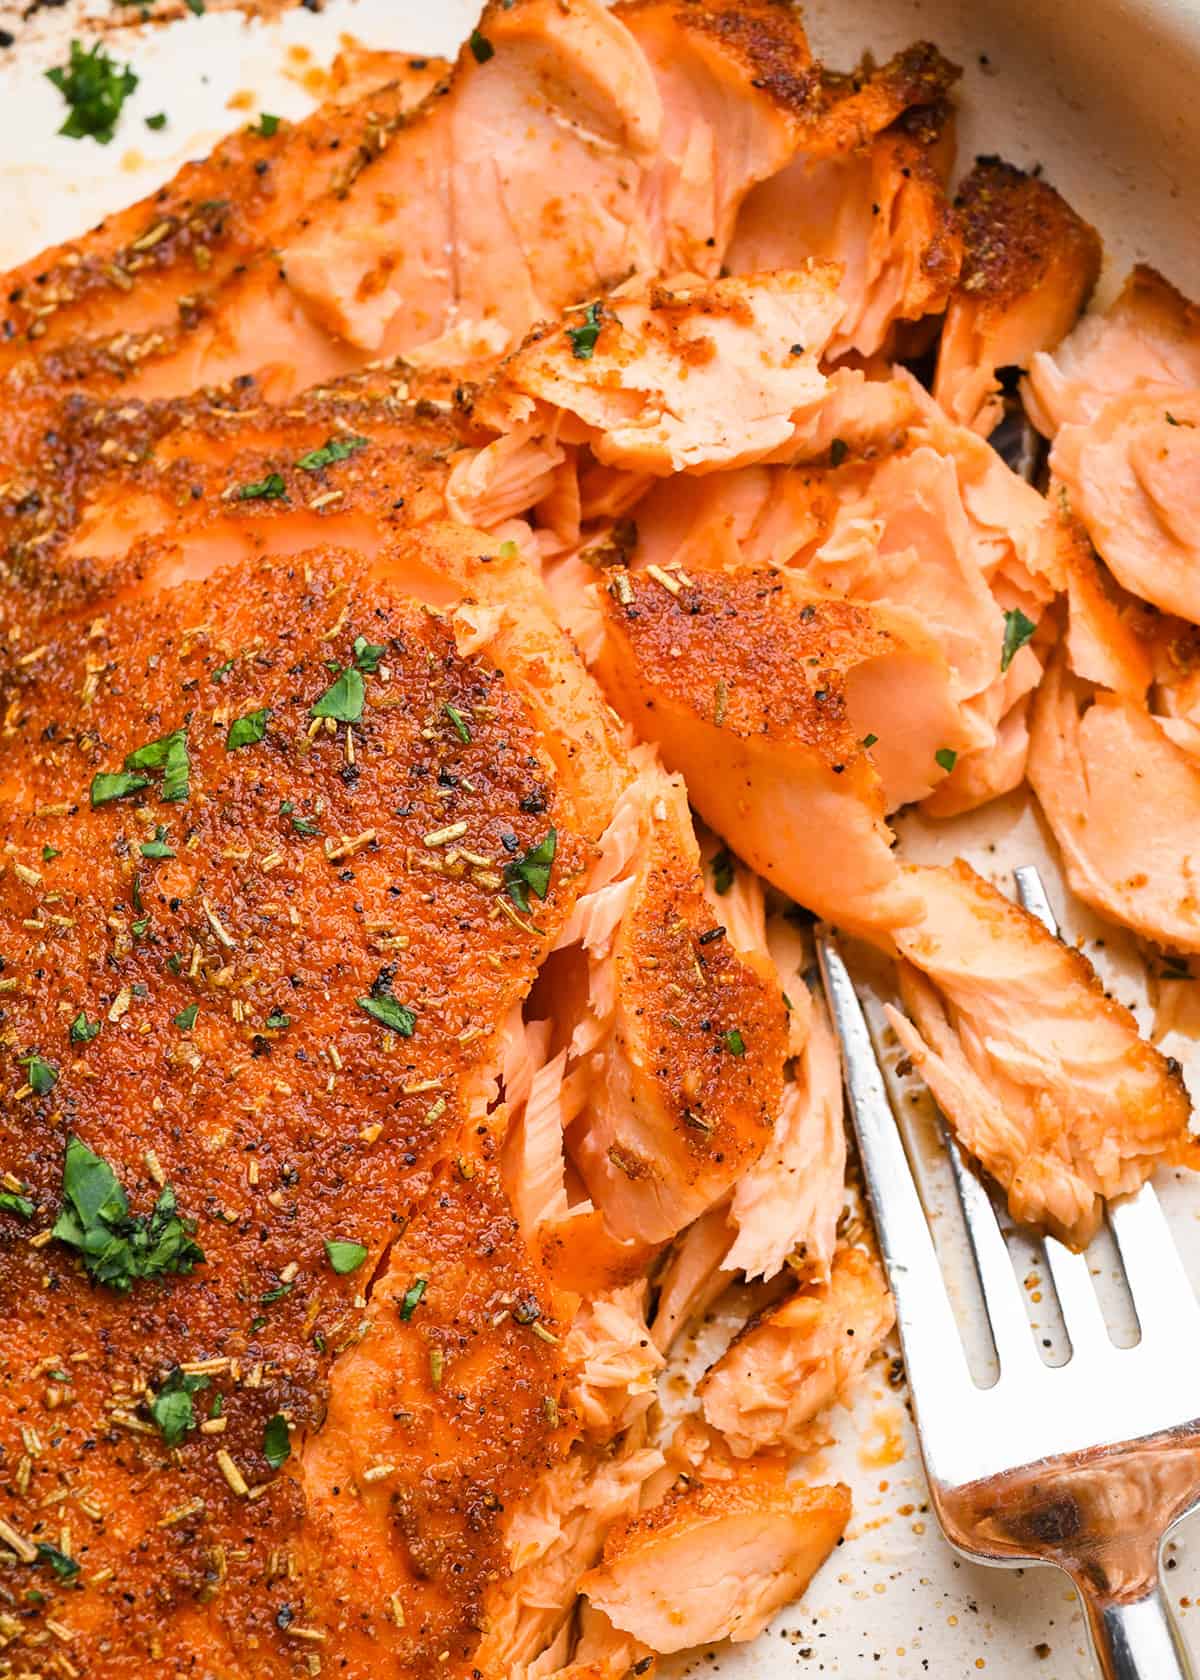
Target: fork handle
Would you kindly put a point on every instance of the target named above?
(1135, 1641)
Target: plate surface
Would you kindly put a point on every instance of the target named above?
(1107, 104)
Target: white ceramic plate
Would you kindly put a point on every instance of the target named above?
(1106, 100)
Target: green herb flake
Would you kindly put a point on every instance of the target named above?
(41, 1075)
(186, 1018)
(83, 1031)
(196, 7)
(63, 1566)
(138, 928)
(334, 449)
(583, 338)
(220, 672)
(12, 1202)
(276, 1021)
(158, 847)
(344, 1256)
(412, 1297)
(1017, 631)
(946, 758)
(116, 1246)
(385, 1009)
(170, 755)
(49, 853)
(481, 48)
(95, 87)
(172, 1409)
(267, 125)
(108, 785)
(343, 699)
(458, 722)
(722, 871)
(216, 1406)
(734, 1042)
(247, 731)
(531, 873)
(305, 826)
(367, 655)
(272, 488)
(868, 740)
(157, 121)
(277, 1445)
(277, 1294)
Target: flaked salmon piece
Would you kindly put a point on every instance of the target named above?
(1029, 266)
(683, 375)
(133, 270)
(612, 1360)
(377, 993)
(769, 1388)
(554, 1535)
(715, 1560)
(763, 698)
(1122, 800)
(988, 772)
(879, 210)
(1111, 636)
(718, 138)
(1131, 474)
(790, 1200)
(686, 1083)
(1042, 1075)
(694, 1275)
(602, 1652)
(1150, 336)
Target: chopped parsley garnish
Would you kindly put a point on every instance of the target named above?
(344, 1256)
(269, 489)
(277, 1020)
(12, 1202)
(196, 7)
(722, 871)
(412, 1297)
(734, 1042)
(305, 826)
(277, 1446)
(63, 1566)
(186, 1018)
(459, 722)
(391, 1013)
(158, 847)
(246, 731)
(480, 46)
(172, 1409)
(168, 754)
(157, 121)
(367, 655)
(115, 784)
(946, 758)
(83, 1031)
(583, 338)
(1017, 631)
(41, 1075)
(838, 451)
(220, 672)
(95, 88)
(869, 740)
(332, 450)
(276, 1294)
(138, 928)
(531, 873)
(267, 125)
(49, 853)
(116, 1246)
(343, 699)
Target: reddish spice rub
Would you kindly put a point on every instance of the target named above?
(275, 1137)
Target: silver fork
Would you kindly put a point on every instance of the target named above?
(1085, 1466)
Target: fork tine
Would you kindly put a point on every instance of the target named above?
(1077, 1298)
(1011, 1330)
(938, 1375)
(1033, 897)
(1162, 1292)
